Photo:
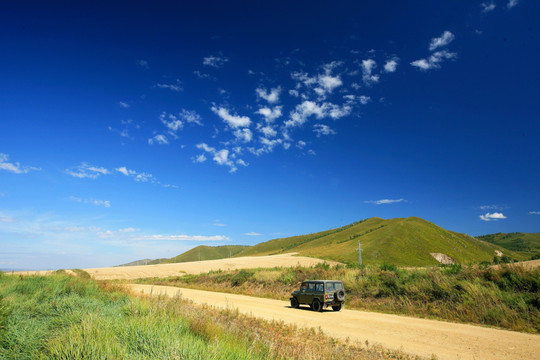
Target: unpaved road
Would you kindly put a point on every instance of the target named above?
(195, 267)
(414, 336)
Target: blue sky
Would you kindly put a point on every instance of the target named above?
(134, 130)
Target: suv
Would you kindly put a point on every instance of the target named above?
(319, 294)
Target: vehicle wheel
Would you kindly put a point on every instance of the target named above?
(317, 306)
(340, 295)
(336, 307)
(294, 303)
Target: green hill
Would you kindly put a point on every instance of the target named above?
(402, 241)
(515, 241)
(204, 252)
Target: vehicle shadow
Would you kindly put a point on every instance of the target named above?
(307, 308)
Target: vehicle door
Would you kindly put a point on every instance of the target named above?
(319, 291)
(302, 295)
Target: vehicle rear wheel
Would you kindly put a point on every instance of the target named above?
(317, 306)
(294, 303)
(336, 307)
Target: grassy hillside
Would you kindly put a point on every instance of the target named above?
(204, 252)
(515, 241)
(401, 241)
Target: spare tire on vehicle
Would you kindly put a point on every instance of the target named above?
(339, 295)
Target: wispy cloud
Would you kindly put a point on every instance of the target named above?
(434, 61)
(124, 104)
(158, 139)
(137, 176)
(143, 64)
(322, 129)
(7, 219)
(87, 171)
(105, 203)
(215, 61)
(446, 38)
(368, 66)
(512, 3)
(14, 167)
(488, 6)
(252, 233)
(534, 212)
(181, 238)
(492, 216)
(222, 157)
(491, 207)
(385, 201)
(177, 86)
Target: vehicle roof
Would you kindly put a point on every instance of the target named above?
(322, 281)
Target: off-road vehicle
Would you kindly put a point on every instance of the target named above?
(319, 294)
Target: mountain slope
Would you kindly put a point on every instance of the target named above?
(402, 241)
(514, 241)
(204, 252)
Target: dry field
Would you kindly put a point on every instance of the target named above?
(195, 267)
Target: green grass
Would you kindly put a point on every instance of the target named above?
(63, 317)
(402, 241)
(506, 297)
(529, 242)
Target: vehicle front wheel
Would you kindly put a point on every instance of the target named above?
(317, 306)
(294, 303)
(336, 307)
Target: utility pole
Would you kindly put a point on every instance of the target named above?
(359, 253)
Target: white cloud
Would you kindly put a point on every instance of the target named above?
(174, 87)
(512, 3)
(124, 104)
(304, 110)
(234, 121)
(199, 159)
(329, 83)
(87, 171)
(244, 135)
(215, 61)
(301, 144)
(272, 97)
(364, 99)
(7, 219)
(171, 122)
(534, 212)
(446, 38)
(181, 238)
(190, 116)
(390, 66)
(268, 130)
(385, 201)
(222, 157)
(270, 114)
(105, 203)
(488, 6)
(137, 176)
(252, 234)
(491, 207)
(201, 75)
(367, 72)
(143, 64)
(321, 129)
(14, 167)
(159, 139)
(434, 61)
(492, 216)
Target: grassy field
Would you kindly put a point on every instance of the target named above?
(66, 317)
(506, 297)
(515, 241)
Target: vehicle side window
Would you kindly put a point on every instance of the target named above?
(330, 287)
(304, 286)
(320, 287)
(338, 286)
(311, 286)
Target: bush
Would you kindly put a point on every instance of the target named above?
(388, 267)
(241, 277)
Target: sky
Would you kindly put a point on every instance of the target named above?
(133, 129)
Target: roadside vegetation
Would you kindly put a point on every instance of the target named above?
(505, 296)
(68, 317)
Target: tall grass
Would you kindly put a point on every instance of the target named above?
(506, 297)
(63, 317)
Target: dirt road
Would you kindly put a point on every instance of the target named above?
(195, 267)
(414, 336)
